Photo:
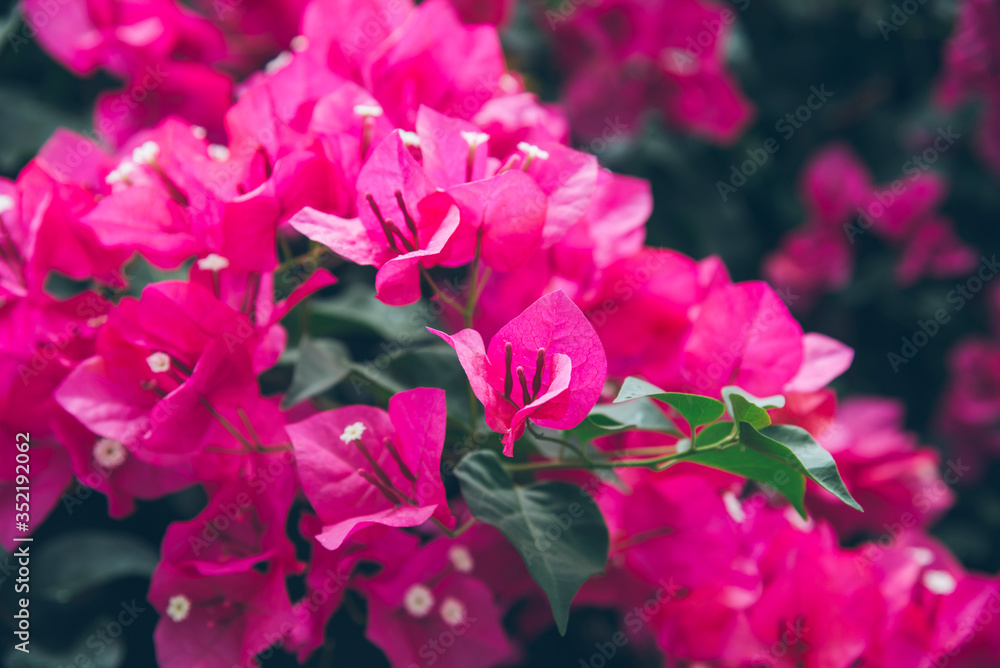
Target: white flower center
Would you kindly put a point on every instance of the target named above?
(352, 432)
(940, 582)
(475, 139)
(734, 507)
(97, 321)
(178, 607)
(146, 153)
(218, 152)
(533, 151)
(121, 173)
(367, 110)
(109, 453)
(6, 203)
(409, 138)
(279, 62)
(158, 362)
(453, 611)
(199, 132)
(299, 43)
(213, 262)
(922, 556)
(461, 558)
(418, 600)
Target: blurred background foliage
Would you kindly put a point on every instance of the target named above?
(882, 105)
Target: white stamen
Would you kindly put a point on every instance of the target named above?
(218, 152)
(352, 432)
(367, 110)
(453, 611)
(418, 600)
(97, 321)
(409, 138)
(199, 132)
(213, 262)
(734, 507)
(146, 153)
(279, 62)
(475, 139)
(461, 558)
(178, 607)
(299, 43)
(922, 556)
(939, 582)
(109, 453)
(158, 362)
(6, 203)
(121, 173)
(533, 151)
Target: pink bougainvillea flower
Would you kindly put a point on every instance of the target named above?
(834, 183)
(433, 600)
(934, 249)
(546, 364)
(404, 222)
(744, 336)
(218, 620)
(497, 12)
(331, 571)
(360, 465)
(242, 525)
(810, 262)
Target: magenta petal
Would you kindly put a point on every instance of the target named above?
(823, 360)
(508, 210)
(346, 237)
(398, 281)
(562, 369)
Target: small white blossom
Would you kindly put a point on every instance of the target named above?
(922, 556)
(453, 611)
(199, 132)
(352, 432)
(121, 173)
(475, 139)
(367, 110)
(299, 43)
(939, 582)
(109, 453)
(6, 203)
(158, 362)
(461, 558)
(218, 152)
(533, 151)
(146, 153)
(178, 607)
(409, 138)
(97, 321)
(418, 600)
(213, 262)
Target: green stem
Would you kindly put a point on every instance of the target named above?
(438, 292)
(454, 533)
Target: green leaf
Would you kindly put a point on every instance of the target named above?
(745, 407)
(74, 562)
(696, 409)
(356, 311)
(756, 466)
(640, 415)
(556, 526)
(714, 434)
(321, 364)
(795, 448)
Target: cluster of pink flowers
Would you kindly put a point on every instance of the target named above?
(623, 57)
(394, 137)
(972, 69)
(844, 204)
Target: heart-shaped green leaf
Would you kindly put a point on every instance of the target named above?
(556, 526)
